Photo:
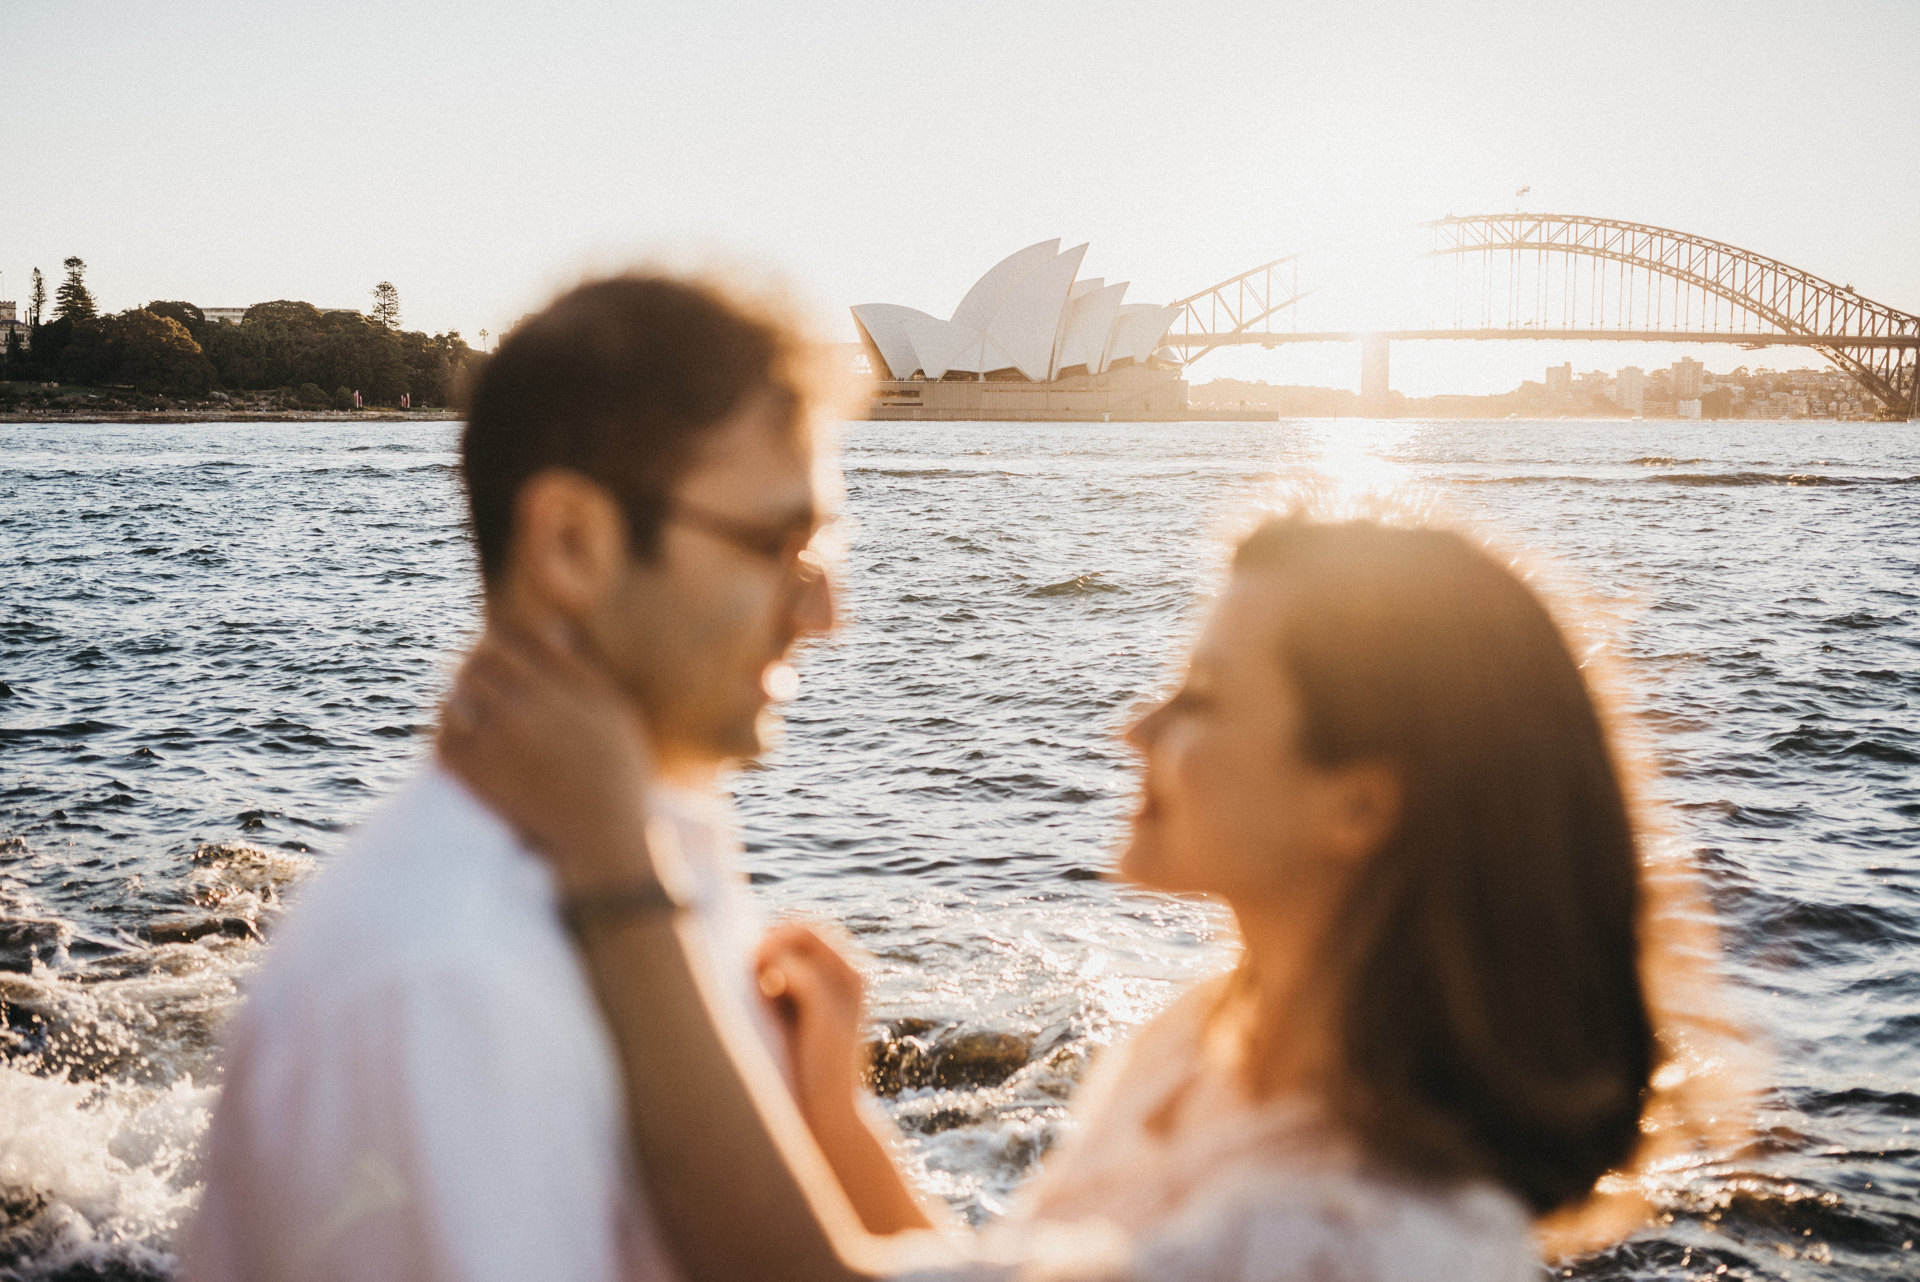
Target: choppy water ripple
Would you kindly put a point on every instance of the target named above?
(220, 644)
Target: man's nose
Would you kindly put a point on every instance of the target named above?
(815, 607)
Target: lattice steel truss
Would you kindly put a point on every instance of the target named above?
(1249, 299)
(1878, 345)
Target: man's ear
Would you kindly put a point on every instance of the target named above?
(569, 541)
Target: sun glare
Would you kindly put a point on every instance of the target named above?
(1356, 460)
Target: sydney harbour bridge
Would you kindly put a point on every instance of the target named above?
(1563, 276)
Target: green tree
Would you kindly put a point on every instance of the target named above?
(386, 305)
(272, 346)
(284, 310)
(436, 366)
(84, 357)
(358, 353)
(152, 354)
(47, 342)
(37, 300)
(286, 344)
(156, 354)
(186, 313)
(72, 301)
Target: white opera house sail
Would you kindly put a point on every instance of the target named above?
(1029, 341)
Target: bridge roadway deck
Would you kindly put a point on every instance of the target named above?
(1275, 338)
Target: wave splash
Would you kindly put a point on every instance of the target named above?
(96, 1178)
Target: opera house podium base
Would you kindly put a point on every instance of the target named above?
(1129, 393)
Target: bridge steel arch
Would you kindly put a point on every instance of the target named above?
(1779, 297)
(1241, 302)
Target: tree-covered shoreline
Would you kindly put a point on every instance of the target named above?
(303, 357)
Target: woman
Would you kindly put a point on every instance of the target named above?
(1386, 761)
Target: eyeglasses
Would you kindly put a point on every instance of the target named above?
(794, 548)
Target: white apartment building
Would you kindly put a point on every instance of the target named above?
(1630, 389)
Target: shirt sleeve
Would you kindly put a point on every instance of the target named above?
(427, 1129)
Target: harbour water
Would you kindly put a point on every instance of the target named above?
(221, 644)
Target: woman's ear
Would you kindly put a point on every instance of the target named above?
(1368, 800)
(569, 541)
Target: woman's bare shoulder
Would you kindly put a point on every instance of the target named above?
(1146, 1061)
(1177, 1030)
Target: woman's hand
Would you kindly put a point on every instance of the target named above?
(552, 745)
(819, 1002)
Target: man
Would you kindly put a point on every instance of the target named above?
(419, 1084)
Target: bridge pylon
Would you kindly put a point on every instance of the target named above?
(1376, 396)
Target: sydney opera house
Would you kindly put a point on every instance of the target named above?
(1029, 341)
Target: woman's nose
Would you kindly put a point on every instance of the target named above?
(1145, 727)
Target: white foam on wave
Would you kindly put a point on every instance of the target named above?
(102, 1116)
(97, 1175)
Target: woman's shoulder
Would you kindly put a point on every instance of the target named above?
(1279, 1225)
(1126, 1081)
(1161, 1050)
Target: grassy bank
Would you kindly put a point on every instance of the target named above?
(35, 402)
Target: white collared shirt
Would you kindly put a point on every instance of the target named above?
(419, 1084)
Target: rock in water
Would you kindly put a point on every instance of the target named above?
(185, 930)
(26, 940)
(900, 1059)
(912, 1055)
(979, 1058)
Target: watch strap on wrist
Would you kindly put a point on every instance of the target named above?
(584, 910)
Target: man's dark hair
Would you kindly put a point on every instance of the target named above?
(617, 380)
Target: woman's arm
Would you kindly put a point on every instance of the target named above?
(743, 1191)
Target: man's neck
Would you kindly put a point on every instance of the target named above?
(674, 766)
(507, 607)
(686, 774)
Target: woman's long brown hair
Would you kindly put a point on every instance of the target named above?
(1491, 1018)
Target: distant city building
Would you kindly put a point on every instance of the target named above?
(1743, 393)
(1559, 379)
(1630, 389)
(234, 315)
(1687, 374)
(10, 323)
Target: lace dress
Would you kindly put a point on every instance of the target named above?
(1173, 1176)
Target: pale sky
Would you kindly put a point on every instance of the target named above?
(482, 155)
